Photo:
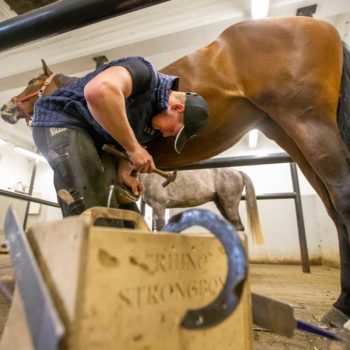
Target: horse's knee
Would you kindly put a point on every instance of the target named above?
(159, 222)
(237, 224)
(231, 213)
(341, 202)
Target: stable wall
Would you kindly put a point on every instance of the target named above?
(16, 171)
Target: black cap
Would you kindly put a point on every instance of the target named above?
(196, 115)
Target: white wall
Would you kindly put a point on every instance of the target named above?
(43, 188)
(16, 171)
(342, 23)
(14, 168)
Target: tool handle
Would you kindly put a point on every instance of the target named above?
(114, 151)
(160, 172)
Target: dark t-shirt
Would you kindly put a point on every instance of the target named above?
(141, 76)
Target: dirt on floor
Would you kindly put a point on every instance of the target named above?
(310, 294)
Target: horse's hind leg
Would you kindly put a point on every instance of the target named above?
(274, 131)
(230, 212)
(228, 196)
(158, 216)
(319, 141)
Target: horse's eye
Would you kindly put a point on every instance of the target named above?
(31, 82)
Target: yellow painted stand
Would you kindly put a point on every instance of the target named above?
(129, 289)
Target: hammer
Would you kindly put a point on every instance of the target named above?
(170, 177)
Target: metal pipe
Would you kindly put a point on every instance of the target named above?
(30, 193)
(26, 197)
(285, 195)
(143, 207)
(300, 220)
(239, 161)
(63, 16)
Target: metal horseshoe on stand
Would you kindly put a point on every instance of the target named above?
(229, 297)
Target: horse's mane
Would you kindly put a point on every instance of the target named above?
(62, 80)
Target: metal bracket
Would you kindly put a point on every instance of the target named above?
(307, 11)
(100, 60)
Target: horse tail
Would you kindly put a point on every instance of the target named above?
(252, 211)
(343, 113)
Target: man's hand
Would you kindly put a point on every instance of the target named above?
(125, 178)
(134, 184)
(141, 160)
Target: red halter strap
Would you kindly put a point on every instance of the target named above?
(39, 93)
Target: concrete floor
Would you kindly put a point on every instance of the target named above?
(309, 294)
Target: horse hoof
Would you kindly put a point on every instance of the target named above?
(335, 318)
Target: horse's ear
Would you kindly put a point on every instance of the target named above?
(46, 69)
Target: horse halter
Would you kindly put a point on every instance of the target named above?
(39, 93)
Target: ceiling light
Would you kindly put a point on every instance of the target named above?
(259, 8)
(253, 138)
(29, 154)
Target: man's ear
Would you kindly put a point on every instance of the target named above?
(178, 107)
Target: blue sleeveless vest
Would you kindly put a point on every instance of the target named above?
(67, 106)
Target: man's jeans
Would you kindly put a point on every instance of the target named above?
(77, 165)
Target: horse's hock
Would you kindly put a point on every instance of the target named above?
(127, 289)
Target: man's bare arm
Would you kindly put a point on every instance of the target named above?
(105, 95)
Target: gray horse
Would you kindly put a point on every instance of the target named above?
(223, 186)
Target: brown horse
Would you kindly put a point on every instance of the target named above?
(287, 77)
(195, 187)
(22, 106)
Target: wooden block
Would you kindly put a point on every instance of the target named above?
(58, 246)
(16, 333)
(152, 280)
(129, 289)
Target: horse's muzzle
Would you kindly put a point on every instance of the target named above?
(10, 116)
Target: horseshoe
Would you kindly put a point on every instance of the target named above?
(226, 302)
